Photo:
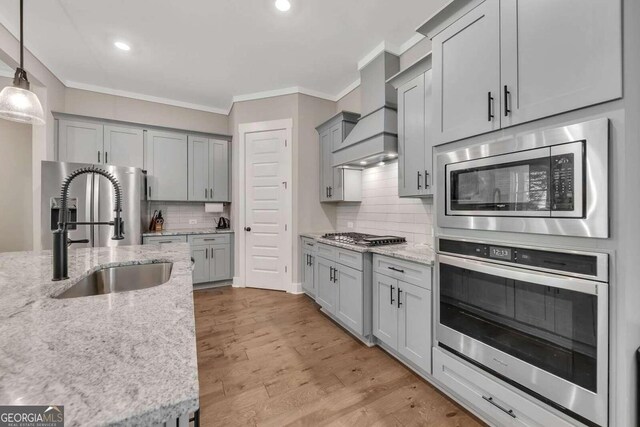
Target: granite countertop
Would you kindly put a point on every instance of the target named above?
(186, 232)
(124, 358)
(414, 252)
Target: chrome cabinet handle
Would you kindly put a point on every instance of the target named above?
(399, 299)
(506, 101)
(419, 176)
(399, 270)
(490, 106)
(503, 409)
(391, 295)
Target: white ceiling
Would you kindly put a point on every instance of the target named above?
(205, 52)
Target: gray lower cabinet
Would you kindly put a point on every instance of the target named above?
(165, 159)
(308, 273)
(344, 291)
(402, 312)
(208, 178)
(211, 254)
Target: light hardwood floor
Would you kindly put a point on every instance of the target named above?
(270, 358)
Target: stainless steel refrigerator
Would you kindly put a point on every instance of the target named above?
(91, 199)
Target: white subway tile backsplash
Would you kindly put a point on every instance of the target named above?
(179, 215)
(383, 212)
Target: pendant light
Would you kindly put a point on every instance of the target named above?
(17, 102)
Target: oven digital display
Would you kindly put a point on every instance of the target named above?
(500, 253)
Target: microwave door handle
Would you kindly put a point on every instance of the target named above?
(523, 275)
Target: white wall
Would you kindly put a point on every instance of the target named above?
(383, 212)
(16, 221)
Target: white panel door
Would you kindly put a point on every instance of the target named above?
(466, 75)
(80, 142)
(265, 214)
(559, 56)
(123, 146)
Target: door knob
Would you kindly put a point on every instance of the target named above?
(247, 229)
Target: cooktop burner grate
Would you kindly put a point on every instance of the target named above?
(364, 239)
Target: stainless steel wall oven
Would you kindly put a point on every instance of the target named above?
(548, 182)
(537, 318)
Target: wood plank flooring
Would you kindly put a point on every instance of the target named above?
(272, 359)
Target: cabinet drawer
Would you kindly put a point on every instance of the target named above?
(417, 274)
(489, 397)
(210, 239)
(308, 244)
(153, 240)
(350, 258)
(326, 251)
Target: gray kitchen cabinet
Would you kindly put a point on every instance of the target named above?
(219, 262)
(93, 142)
(385, 315)
(123, 146)
(327, 294)
(415, 142)
(504, 63)
(200, 256)
(349, 304)
(212, 258)
(308, 272)
(558, 56)
(165, 159)
(80, 141)
(208, 179)
(337, 184)
(402, 313)
(414, 324)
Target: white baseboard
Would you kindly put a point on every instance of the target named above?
(238, 282)
(296, 288)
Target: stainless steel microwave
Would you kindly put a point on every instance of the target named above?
(548, 182)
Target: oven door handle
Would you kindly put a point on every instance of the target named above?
(523, 274)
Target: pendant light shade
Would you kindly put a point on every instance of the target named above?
(17, 102)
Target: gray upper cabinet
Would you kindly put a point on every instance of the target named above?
(165, 159)
(466, 75)
(415, 140)
(503, 63)
(105, 144)
(208, 169)
(333, 182)
(558, 56)
(80, 141)
(123, 146)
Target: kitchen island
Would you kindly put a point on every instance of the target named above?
(125, 358)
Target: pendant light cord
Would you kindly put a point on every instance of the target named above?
(21, 35)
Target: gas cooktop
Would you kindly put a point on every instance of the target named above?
(362, 239)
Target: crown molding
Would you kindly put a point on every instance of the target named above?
(282, 92)
(143, 97)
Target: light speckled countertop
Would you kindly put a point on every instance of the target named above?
(124, 358)
(420, 253)
(186, 232)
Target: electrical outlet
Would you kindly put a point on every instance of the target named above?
(193, 221)
(349, 224)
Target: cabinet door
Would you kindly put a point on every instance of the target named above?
(337, 136)
(123, 146)
(429, 141)
(308, 273)
(411, 137)
(219, 170)
(385, 313)
(200, 255)
(165, 159)
(559, 56)
(326, 165)
(219, 262)
(414, 313)
(466, 74)
(198, 181)
(80, 142)
(326, 288)
(350, 299)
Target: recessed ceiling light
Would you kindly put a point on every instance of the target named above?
(363, 162)
(283, 5)
(122, 46)
(392, 156)
(381, 164)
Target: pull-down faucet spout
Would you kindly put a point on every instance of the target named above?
(61, 240)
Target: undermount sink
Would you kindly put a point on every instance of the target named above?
(120, 279)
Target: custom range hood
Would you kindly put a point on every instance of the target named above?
(375, 137)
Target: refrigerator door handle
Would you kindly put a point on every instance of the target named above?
(95, 236)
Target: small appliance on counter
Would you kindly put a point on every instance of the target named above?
(157, 221)
(223, 224)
